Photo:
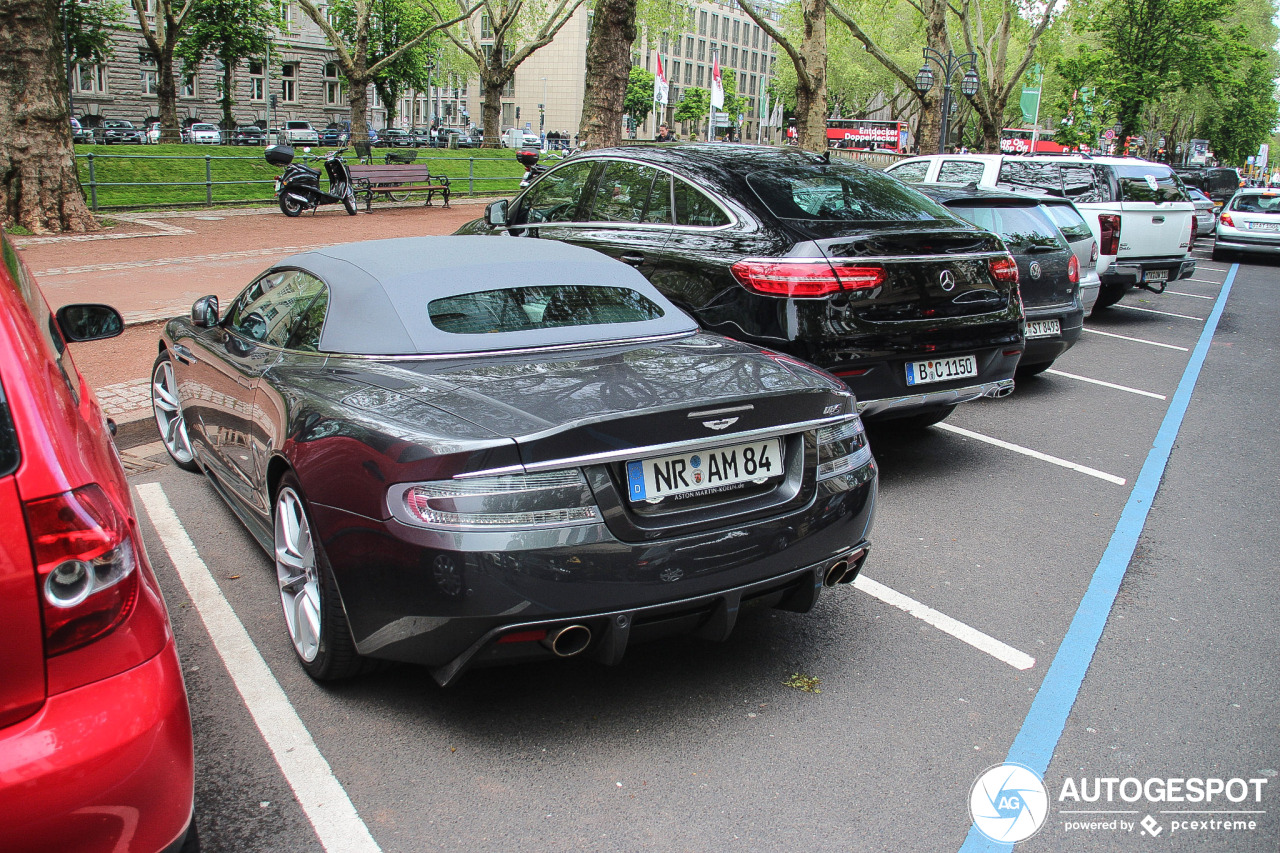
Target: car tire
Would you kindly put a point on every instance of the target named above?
(1110, 295)
(166, 408)
(315, 618)
(923, 420)
(1220, 254)
(290, 207)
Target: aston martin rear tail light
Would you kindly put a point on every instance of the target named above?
(1004, 269)
(551, 499)
(1073, 270)
(842, 448)
(1109, 231)
(86, 560)
(1225, 219)
(787, 278)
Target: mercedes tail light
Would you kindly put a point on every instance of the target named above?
(805, 279)
(87, 561)
(1109, 226)
(1073, 270)
(1004, 269)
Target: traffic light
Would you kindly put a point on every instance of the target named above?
(273, 102)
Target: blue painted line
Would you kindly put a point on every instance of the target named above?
(1042, 729)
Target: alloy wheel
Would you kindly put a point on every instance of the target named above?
(168, 413)
(297, 574)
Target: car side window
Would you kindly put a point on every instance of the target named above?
(625, 193)
(960, 172)
(694, 208)
(1069, 222)
(270, 309)
(555, 197)
(912, 173)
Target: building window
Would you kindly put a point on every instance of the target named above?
(715, 26)
(733, 60)
(662, 44)
(289, 83)
(257, 80)
(675, 72)
(754, 57)
(700, 75)
(736, 24)
(702, 50)
(332, 85)
(688, 48)
(693, 15)
(150, 79)
(755, 37)
(688, 73)
(486, 27)
(286, 15)
(702, 23)
(91, 78)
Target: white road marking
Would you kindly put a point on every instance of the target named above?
(980, 641)
(321, 796)
(1162, 313)
(1192, 295)
(1034, 454)
(1202, 281)
(1107, 384)
(1136, 340)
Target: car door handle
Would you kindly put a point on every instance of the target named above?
(1157, 220)
(634, 260)
(183, 354)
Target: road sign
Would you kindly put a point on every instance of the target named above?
(1108, 134)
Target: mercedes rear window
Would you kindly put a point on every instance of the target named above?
(835, 193)
(519, 309)
(1148, 183)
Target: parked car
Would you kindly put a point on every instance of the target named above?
(829, 262)
(204, 134)
(119, 131)
(339, 133)
(1205, 216)
(422, 137)
(80, 134)
(457, 137)
(1218, 183)
(514, 137)
(394, 137)
(300, 133)
(1075, 228)
(1249, 223)
(472, 451)
(249, 134)
(95, 731)
(1048, 269)
(1136, 209)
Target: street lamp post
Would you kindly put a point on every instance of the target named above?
(949, 64)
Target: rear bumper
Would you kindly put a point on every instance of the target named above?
(1129, 273)
(935, 399)
(1234, 243)
(108, 766)
(1042, 350)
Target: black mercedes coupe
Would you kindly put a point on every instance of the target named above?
(832, 262)
(464, 451)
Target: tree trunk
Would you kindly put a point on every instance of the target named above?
(228, 77)
(39, 189)
(167, 94)
(811, 100)
(359, 140)
(608, 72)
(930, 130)
(991, 131)
(491, 108)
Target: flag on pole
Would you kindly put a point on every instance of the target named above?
(660, 87)
(775, 120)
(764, 103)
(717, 85)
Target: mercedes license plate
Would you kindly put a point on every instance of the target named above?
(941, 369)
(1043, 328)
(1155, 275)
(682, 473)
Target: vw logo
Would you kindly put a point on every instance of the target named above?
(947, 280)
(1034, 269)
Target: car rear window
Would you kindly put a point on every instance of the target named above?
(517, 309)
(1257, 203)
(835, 193)
(1069, 221)
(9, 452)
(1147, 182)
(1080, 182)
(1019, 227)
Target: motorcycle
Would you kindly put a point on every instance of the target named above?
(299, 187)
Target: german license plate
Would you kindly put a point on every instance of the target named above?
(277, 186)
(1043, 328)
(1264, 226)
(941, 369)
(1155, 275)
(682, 473)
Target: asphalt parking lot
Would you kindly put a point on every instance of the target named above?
(1031, 596)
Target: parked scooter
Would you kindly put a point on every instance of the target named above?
(299, 187)
(528, 157)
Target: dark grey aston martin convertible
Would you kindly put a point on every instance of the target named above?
(462, 451)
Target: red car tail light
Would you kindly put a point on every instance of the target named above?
(862, 277)
(87, 563)
(787, 278)
(1109, 228)
(1225, 219)
(1073, 270)
(1004, 269)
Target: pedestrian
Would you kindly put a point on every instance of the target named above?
(1275, 177)
(664, 134)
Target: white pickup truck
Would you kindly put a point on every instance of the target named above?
(1137, 209)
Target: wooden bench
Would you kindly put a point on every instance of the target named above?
(397, 181)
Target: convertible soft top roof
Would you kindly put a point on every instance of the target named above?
(379, 290)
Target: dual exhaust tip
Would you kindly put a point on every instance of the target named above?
(844, 570)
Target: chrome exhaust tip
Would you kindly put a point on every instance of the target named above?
(836, 573)
(1000, 391)
(568, 641)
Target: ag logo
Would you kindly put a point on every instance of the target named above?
(1009, 803)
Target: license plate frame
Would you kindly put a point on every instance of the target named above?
(941, 369)
(703, 469)
(1264, 226)
(1050, 328)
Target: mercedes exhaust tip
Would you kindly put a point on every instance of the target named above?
(568, 641)
(836, 573)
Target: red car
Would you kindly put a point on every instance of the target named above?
(95, 732)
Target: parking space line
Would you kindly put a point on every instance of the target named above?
(1202, 281)
(1192, 295)
(1034, 454)
(1135, 340)
(1107, 384)
(321, 796)
(1162, 313)
(962, 632)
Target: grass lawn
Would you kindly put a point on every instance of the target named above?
(128, 175)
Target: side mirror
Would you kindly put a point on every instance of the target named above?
(204, 313)
(84, 322)
(495, 213)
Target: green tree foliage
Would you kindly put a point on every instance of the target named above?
(1245, 115)
(86, 26)
(638, 102)
(230, 31)
(694, 107)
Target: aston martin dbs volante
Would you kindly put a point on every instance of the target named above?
(461, 450)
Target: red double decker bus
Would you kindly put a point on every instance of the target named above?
(1017, 141)
(867, 133)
